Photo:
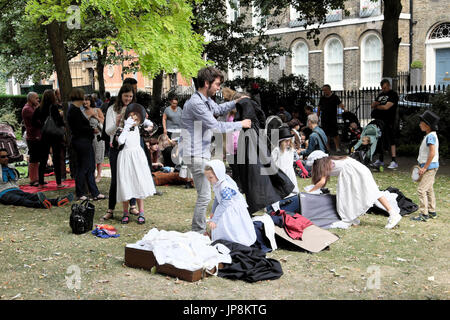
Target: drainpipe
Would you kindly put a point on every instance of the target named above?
(411, 33)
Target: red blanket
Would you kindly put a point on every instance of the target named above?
(51, 186)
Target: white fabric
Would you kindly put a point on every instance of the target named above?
(134, 179)
(391, 197)
(269, 229)
(356, 190)
(285, 162)
(318, 154)
(188, 251)
(308, 188)
(230, 215)
(424, 150)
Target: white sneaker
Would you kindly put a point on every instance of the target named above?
(378, 163)
(393, 165)
(393, 220)
(356, 222)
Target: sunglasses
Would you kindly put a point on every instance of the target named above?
(3, 157)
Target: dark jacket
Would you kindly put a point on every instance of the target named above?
(78, 124)
(41, 114)
(260, 189)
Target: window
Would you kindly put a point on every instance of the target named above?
(232, 10)
(262, 72)
(334, 64)
(300, 59)
(369, 8)
(371, 61)
(258, 20)
(234, 73)
(294, 14)
(442, 31)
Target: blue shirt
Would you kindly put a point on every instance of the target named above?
(315, 143)
(198, 112)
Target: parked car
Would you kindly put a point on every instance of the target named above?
(412, 103)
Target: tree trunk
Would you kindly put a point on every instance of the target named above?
(391, 41)
(55, 33)
(157, 90)
(101, 58)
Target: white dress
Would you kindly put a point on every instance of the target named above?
(231, 215)
(356, 189)
(134, 179)
(285, 162)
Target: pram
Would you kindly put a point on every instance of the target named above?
(351, 129)
(8, 141)
(370, 142)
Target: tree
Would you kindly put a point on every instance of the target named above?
(150, 28)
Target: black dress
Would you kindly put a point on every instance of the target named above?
(257, 176)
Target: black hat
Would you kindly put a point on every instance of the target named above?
(135, 107)
(284, 133)
(431, 119)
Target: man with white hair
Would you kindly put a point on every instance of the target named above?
(33, 137)
(317, 139)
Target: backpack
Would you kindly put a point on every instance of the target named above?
(82, 217)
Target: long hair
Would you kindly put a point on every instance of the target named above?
(91, 99)
(322, 168)
(154, 155)
(48, 99)
(119, 104)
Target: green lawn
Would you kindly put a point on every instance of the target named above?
(37, 248)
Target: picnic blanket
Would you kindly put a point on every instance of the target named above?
(51, 186)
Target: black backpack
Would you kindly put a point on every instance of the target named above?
(82, 217)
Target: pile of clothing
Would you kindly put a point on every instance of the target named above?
(105, 231)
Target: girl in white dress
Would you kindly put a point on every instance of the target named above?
(134, 179)
(230, 220)
(356, 189)
(283, 156)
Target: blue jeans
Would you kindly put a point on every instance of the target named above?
(24, 199)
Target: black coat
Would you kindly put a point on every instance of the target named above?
(260, 189)
(249, 264)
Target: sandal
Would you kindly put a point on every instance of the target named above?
(141, 220)
(134, 211)
(100, 197)
(125, 219)
(108, 216)
(61, 186)
(82, 198)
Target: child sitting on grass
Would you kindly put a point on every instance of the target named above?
(428, 160)
(230, 219)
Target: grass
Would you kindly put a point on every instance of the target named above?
(37, 248)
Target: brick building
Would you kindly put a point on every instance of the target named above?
(350, 52)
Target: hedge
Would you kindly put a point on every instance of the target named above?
(11, 102)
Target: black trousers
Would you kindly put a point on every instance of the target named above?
(85, 167)
(56, 157)
(24, 199)
(112, 197)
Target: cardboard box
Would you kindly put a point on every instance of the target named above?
(144, 259)
(314, 239)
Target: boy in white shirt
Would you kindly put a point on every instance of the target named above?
(428, 160)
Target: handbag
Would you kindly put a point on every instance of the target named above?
(82, 217)
(50, 129)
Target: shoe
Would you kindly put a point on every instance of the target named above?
(421, 217)
(378, 163)
(432, 215)
(158, 193)
(125, 219)
(100, 197)
(43, 199)
(393, 220)
(141, 219)
(61, 186)
(108, 216)
(393, 165)
(62, 201)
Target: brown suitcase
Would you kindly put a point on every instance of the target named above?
(144, 259)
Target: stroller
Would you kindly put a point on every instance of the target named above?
(370, 142)
(8, 141)
(351, 129)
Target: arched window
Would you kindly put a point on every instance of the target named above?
(334, 64)
(442, 31)
(371, 61)
(300, 59)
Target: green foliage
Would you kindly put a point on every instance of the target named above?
(11, 108)
(292, 92)
(159, 32)
(417, 64)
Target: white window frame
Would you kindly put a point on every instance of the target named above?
(231, 13)
(294, 15)
(234, 73)
(339, 85)
(303, 65)
(365, 83)
(257, 18)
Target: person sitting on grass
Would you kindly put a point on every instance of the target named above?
(10, 194)
(230, 219)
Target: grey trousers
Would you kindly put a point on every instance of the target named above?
(203, 188)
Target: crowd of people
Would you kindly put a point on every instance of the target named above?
(119, 127)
